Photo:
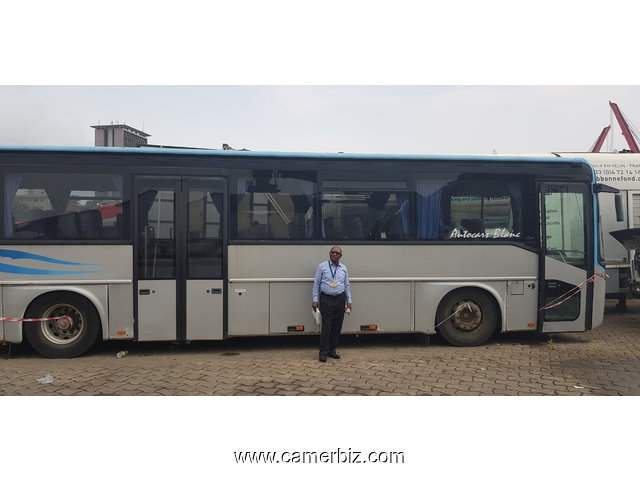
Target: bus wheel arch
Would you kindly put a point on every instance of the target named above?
(76, 330)
(468, 316)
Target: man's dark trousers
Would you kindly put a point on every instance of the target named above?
(332, 311)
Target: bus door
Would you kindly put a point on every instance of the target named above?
(566, 258)
(180, 251)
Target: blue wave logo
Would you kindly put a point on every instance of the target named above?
(18, 255)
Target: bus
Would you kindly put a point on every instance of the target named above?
(158, 244)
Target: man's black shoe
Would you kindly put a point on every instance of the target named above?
(334, 355)
(323, 358)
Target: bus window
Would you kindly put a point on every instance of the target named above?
(204, 252)
(274, 205)
(367, 215)
(54, 206)
(564, 214)
(156, 233)
(429, 205)
(482, 210)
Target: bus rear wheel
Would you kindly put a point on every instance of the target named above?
(73, 330)
(471, 317)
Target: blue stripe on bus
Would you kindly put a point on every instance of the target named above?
(4, 268)
(17, 254)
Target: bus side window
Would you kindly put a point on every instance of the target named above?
(472, 225)
(298, 228)
(273, 205)
(67, 227)
(90, 224)
(255, 231)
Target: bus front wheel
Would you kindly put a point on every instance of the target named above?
(468, 317)
(72, 329)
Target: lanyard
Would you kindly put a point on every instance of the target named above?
(333, 272)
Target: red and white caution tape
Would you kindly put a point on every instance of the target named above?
(10, 319)
(556, 302)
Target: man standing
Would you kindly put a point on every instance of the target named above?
(332, 294)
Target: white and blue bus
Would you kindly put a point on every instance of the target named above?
(163, 244)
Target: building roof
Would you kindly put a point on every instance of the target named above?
(121, 125)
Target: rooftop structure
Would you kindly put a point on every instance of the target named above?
(119, 135)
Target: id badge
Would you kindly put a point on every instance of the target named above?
(333, 284)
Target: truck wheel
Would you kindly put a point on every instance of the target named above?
(65, 337)
(473, 317)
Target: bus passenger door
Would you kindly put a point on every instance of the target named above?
(567, 259)
(180, 250)
(205, 253)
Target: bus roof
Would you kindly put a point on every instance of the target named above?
(258, 154)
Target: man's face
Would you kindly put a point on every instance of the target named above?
(334, 254)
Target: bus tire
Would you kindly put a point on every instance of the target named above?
(67, 337)
(473, 317)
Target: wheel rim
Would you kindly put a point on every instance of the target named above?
(64, 330)
(466, 316)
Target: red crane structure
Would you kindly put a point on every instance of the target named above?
(603, 135)
(630, 136)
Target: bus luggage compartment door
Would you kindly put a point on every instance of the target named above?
(157, 310)
(205, 301)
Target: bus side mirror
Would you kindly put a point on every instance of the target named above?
(619, 210)
(602, 188)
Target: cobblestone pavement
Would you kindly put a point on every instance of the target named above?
(605, 361)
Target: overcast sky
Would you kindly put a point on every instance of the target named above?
(367, 119)
(466, 46)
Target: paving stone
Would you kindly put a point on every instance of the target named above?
(605, 361)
